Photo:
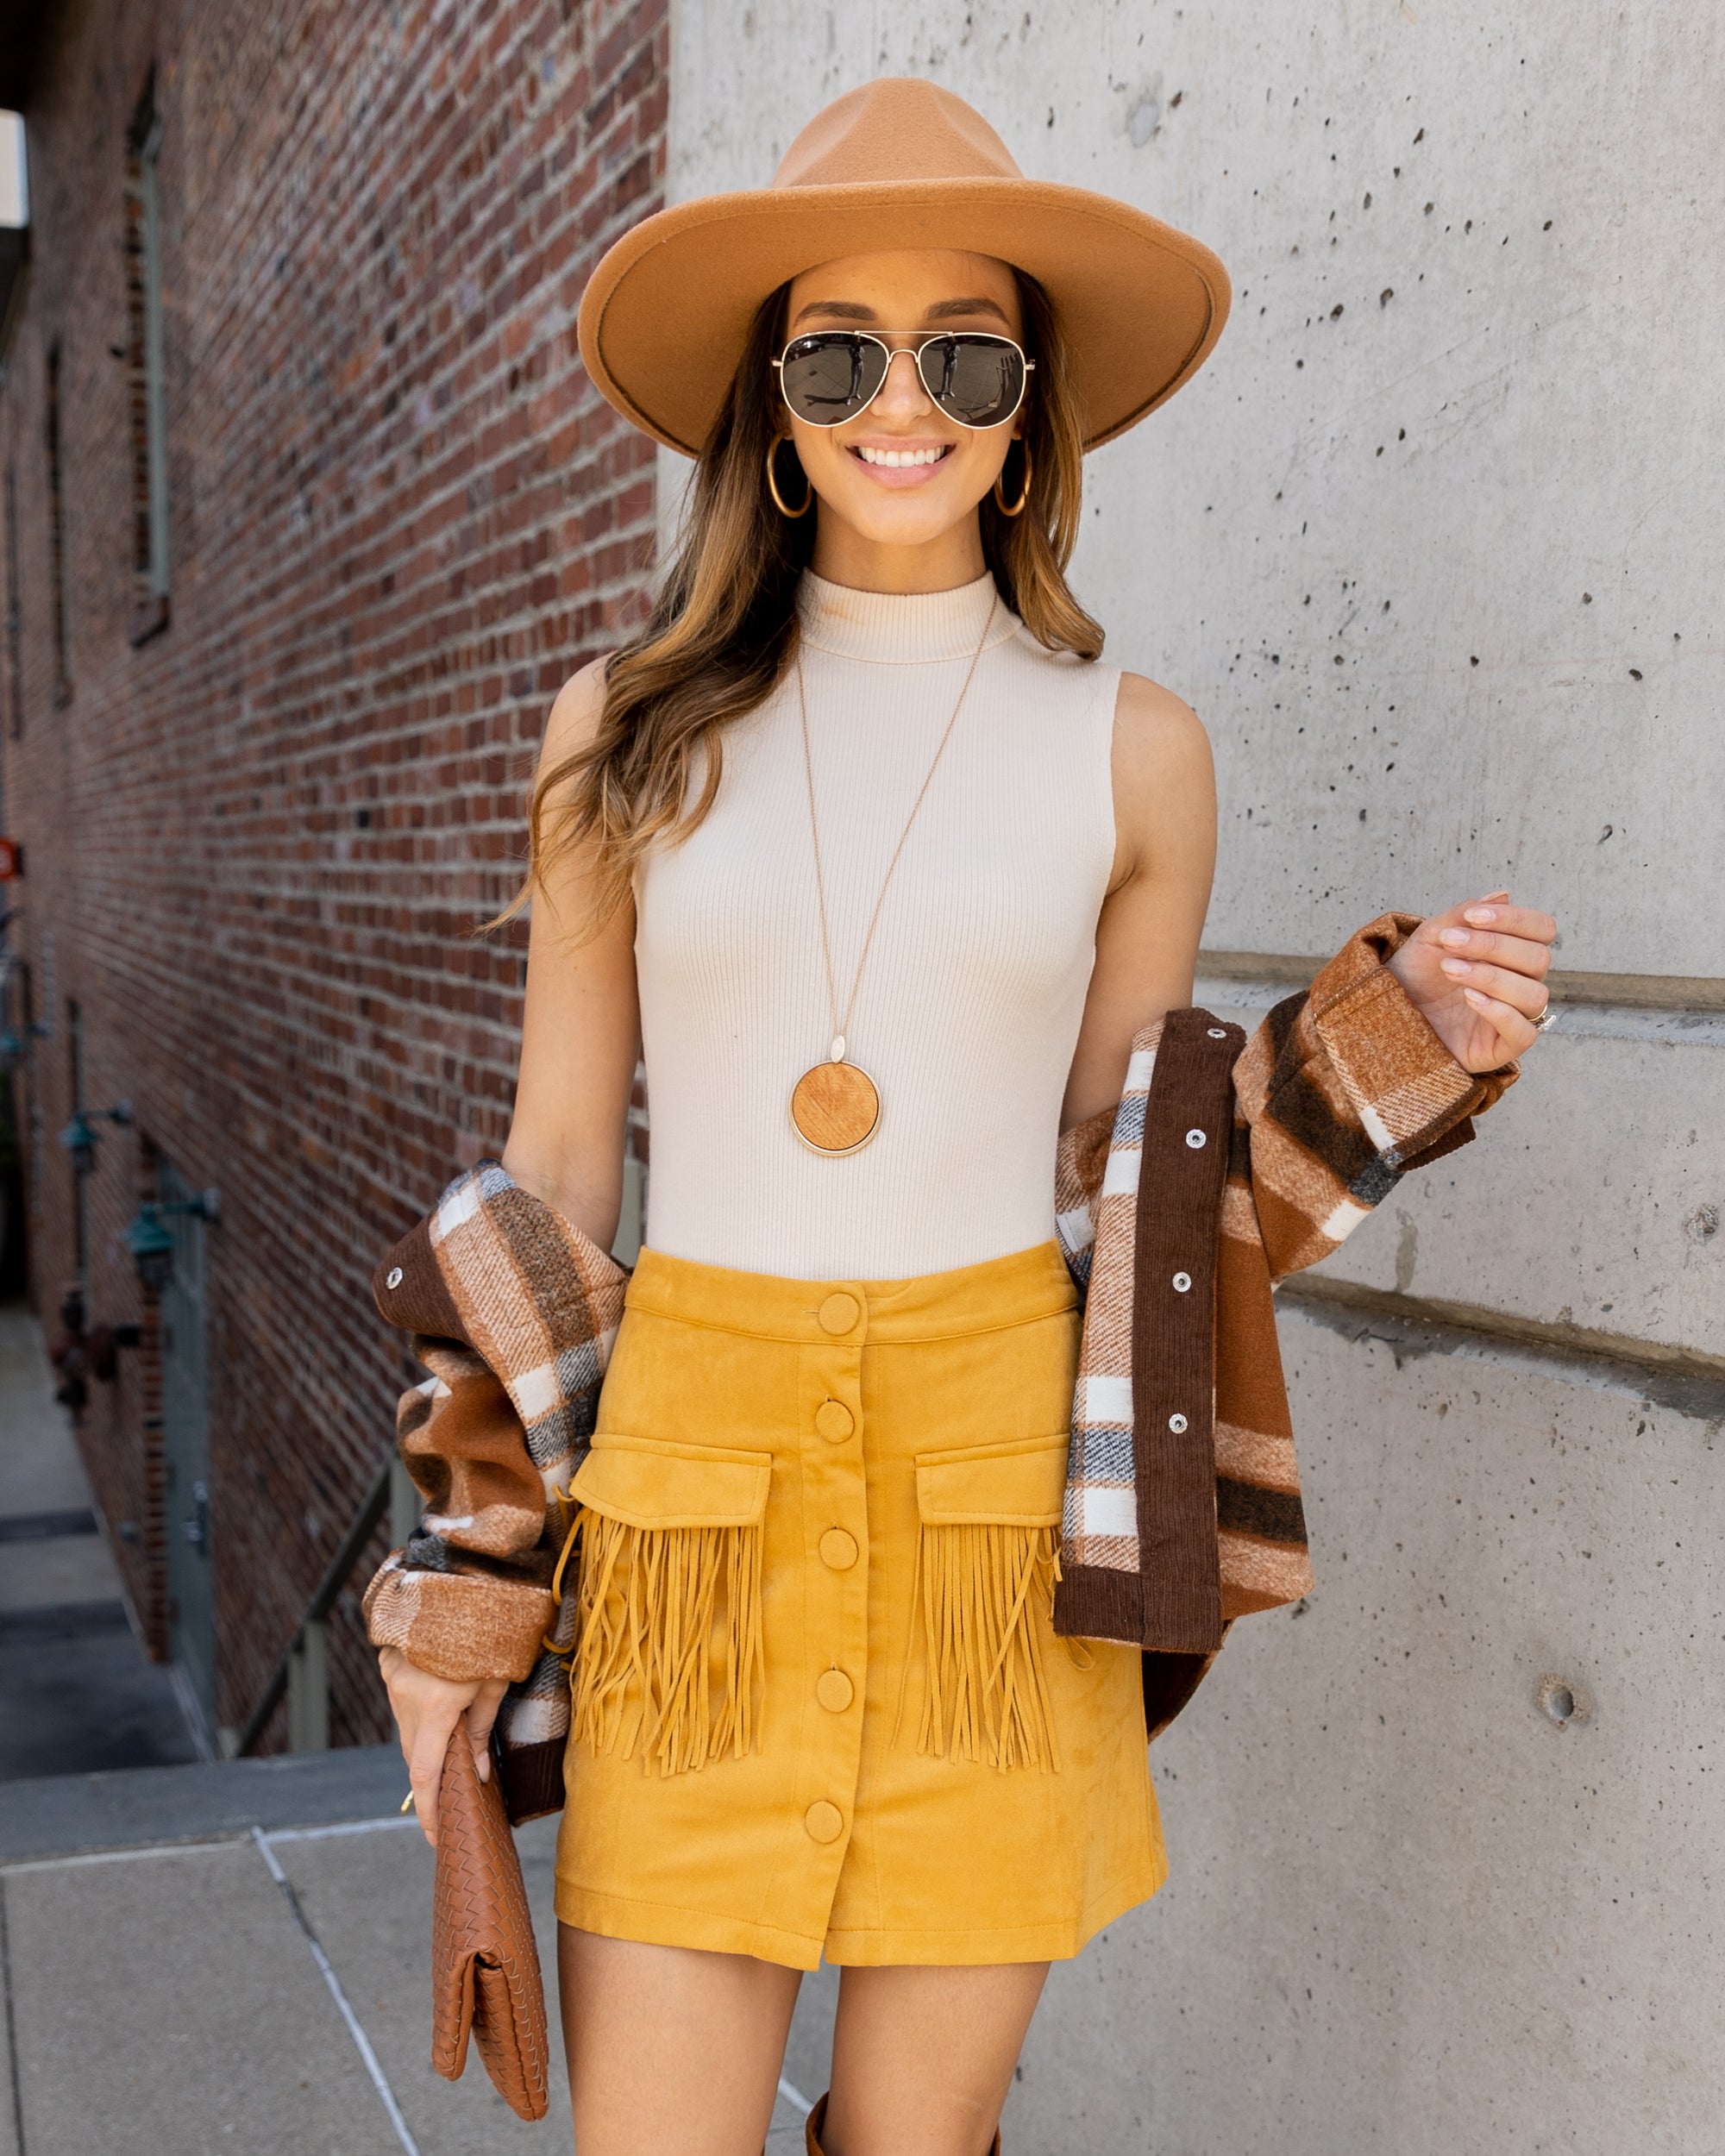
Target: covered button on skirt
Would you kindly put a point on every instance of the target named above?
(818, 1704)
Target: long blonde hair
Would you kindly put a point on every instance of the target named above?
(724, 628)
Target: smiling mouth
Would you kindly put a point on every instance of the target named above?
(900, 460)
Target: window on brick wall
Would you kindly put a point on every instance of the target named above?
(57, 534)
(14, 612)
(145, 368)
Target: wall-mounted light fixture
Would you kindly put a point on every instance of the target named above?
(152, 1244)
(79, 1136)
(79, 1141)
(15, 1047)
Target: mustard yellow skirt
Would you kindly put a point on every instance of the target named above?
(819, 1706)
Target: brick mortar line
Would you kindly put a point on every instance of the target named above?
(233, 323)
(255, 214)
(331, 1056)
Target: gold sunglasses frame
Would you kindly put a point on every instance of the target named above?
(920, 339)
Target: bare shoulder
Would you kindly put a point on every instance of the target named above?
(1158, 738)
(1164, 775)
(574, 715)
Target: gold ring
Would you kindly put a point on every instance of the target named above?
(1545, 1017)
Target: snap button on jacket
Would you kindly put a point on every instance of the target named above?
(1182, 1506)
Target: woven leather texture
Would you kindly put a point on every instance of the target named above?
(485, 1963)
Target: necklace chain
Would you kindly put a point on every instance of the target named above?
(841, 1026)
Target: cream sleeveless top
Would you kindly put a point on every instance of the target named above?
(969, 1005)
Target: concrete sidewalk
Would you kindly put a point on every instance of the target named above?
(174, 1932)
(169, 1996)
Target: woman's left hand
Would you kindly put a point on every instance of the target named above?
(1478, 974)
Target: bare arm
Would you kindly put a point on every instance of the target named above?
(1153, 916)
(581, 1032)
(579, 1042)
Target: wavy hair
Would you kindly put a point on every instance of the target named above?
(724, 628)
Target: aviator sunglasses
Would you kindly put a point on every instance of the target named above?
(831, 375)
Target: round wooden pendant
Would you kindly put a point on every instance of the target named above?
(835, 1107)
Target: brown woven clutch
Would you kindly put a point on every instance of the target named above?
(485, 1964)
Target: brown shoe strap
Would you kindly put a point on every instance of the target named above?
(816, 2122)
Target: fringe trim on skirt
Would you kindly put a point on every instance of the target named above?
(668, 1652)
(985, 1695)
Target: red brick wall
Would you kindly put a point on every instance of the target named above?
(258, 843)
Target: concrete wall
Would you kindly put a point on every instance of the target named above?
(1429, 547)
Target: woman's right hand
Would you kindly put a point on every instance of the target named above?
(426, 1710)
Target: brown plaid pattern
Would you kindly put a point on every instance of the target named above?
(1339, 1093)
(513, 1312)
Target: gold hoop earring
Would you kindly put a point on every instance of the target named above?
(1014, 509)
(773, 483)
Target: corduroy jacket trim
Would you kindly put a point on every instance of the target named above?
(1182, 1502)
(1183, 1506)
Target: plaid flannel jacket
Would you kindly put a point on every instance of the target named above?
(1253, 1158)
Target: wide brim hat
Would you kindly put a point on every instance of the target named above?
(896, 164)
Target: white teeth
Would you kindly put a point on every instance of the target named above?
(895, 459)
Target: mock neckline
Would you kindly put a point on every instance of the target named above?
(898, 628)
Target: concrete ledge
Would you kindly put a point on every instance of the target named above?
(63, 1816)
(1690, 1381)
(44, 1622)
(1283, 970)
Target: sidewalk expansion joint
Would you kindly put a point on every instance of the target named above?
(11, 2026)
(362, 2043)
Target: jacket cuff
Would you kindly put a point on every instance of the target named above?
(1407, 1090)
(1093, 1601)
(464, 1626)
(532, 1778)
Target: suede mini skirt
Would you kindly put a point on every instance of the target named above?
(819, 1707)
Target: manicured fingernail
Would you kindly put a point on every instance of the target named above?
(1456, 966)
(1480, 914)
(1454, 935)
(1475, 998)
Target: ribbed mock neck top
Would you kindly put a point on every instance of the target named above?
(969, 1005)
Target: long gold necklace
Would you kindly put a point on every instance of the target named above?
(836, 1105)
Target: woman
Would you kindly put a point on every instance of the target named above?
(889, 878)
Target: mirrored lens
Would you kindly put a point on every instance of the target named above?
(976, 380)
(827, 378)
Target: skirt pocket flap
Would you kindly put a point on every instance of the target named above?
(1017, 1485)
(656, 1482)
(988, 1555)
(668, 1652)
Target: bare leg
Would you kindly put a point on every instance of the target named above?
(922, 2059)
(671, 2049)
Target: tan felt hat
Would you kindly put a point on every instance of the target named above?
(899, 163)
